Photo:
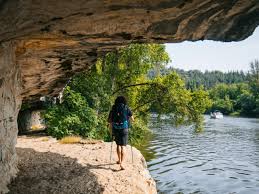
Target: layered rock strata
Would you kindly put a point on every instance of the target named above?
(43, 43)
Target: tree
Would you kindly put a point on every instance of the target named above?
(254, 84)
(125, 72)
(254, 77)
(246, 100)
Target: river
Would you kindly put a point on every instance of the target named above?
(224, 158)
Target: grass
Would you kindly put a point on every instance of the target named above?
(90, 141)
(36, 127)
(45, 139)
(70, 140)
(77, 139)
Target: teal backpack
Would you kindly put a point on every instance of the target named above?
(120, 116)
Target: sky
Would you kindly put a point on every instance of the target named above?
(213, 55)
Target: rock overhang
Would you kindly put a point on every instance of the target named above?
(56, 39)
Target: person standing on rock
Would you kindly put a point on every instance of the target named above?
(119, 121)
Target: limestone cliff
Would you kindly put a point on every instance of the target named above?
(44, 42)
(10, 102)
(58, 38)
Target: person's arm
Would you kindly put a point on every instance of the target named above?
(110, 129)
(132, 118)
(110, 122)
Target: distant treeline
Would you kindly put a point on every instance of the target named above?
(234, 92)
(195, 78)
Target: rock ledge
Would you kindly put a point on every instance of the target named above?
(46, 166)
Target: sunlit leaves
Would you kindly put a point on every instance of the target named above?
(73, 116)
(90, 95)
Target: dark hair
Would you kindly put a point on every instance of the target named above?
(120, 99)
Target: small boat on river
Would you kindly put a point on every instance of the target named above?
(216, 115)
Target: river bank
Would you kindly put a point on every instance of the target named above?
(46, 166)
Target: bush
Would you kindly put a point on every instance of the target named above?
(73, 116)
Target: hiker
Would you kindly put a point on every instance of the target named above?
(119, 121)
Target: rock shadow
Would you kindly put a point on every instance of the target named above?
(47, 172)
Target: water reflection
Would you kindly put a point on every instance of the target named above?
(147, 149)
(222, 159)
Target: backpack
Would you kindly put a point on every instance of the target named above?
(120, 116)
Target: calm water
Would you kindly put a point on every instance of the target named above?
(222, 159)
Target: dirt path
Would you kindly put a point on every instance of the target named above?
(51, 167)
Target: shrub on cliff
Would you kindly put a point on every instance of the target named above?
(73, 116)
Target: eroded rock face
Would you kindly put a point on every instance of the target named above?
(10, 100)
(47, 65)
(43, 43)
(61, 37)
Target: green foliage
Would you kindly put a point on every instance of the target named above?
(234, 92)
(168, 95)
(195, 78)
(223, 105)
(89, 96)
(254, 84)
(220, 95)
(246, 101)
(73, 116)
(199, 103)
(235, 99)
